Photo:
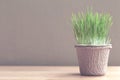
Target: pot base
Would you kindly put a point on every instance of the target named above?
(92, 74)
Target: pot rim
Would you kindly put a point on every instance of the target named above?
(91, 45)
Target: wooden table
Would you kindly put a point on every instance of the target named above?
(52, 73)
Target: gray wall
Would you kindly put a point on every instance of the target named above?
(39, 32)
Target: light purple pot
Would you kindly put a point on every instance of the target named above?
(93, 60)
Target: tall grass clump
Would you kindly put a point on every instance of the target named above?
(92, 28)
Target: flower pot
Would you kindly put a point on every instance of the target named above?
(93, 60)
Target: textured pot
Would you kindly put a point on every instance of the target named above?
(93, 60)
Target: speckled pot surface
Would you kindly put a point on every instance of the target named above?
(93, 60)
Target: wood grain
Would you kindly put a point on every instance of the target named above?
(52, 73)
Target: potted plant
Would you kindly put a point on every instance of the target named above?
(91, 31)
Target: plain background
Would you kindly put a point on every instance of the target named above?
(39, 32)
